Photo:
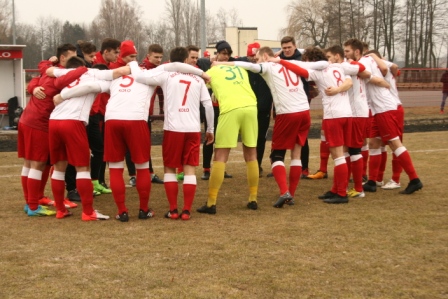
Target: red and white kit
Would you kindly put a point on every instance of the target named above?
(183, 94)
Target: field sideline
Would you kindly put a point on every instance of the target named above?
(383, 246)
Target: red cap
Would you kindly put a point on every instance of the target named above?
(252, 49)
(206, 54)
(127, 48)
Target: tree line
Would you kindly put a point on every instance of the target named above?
(119, 19)
(414, 31)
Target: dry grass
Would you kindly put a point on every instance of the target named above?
(384, 246)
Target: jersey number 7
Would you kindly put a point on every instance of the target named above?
(186, 90)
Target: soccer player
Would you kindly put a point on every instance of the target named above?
(292, 122)
(264, 102)
(224, 53)
(238, 114)
(110, 49)
(337, 119)
(154, 59)
(128, 53)
(86, 51)
(360, 113)
(33, 144)
(127, 129)
(193, 55)
(290, 52)
(182, 128)
(385, 128)
(389, 71)
(68, 138)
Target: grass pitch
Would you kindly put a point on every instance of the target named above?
(385, 245)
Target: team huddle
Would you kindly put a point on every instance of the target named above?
(113, 96)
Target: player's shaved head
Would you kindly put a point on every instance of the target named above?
(266, 50)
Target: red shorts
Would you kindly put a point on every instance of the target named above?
(359, 125)
(385, 126)
(121, 135)
(290, 129)
(400, 120)
(68, 142)
(338, 131)
(32, 144)
(181, 148)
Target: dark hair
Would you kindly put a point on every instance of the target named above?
(365, 46)
(374, 52)
(86, 47)
(355, 44)
(226, 51)
(155, 48)
(336, 49)
(314, 54)
(288, 39)
(266, 50)
(178, 54)
(109, 44)
(192, 48)
(75, 62)
(63, 49)
(100, 66)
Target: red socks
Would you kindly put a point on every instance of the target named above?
(118, 188)
(324, 156)
(34, 187)
(58, 189)
(189, 189)
(340, 176)
(374, 163)
(406, 162)
(295, 171)
(171, 189)
(279, 172)
(143, 187)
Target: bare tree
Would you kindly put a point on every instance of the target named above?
(5, 21)
(226, 18)
(54, 36)
(174, 9)
(191, 20)
(28, 35)
(308, 23)
(119, 19)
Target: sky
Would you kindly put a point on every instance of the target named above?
(268, 18)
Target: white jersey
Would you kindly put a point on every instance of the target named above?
(286, 88)
(356, 94)
(78, 108)
(336, 106)
(183, 95)
(129, 100)
(392, 82)
(379, 98)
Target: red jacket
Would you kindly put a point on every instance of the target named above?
(99, 105)
(37, 112)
